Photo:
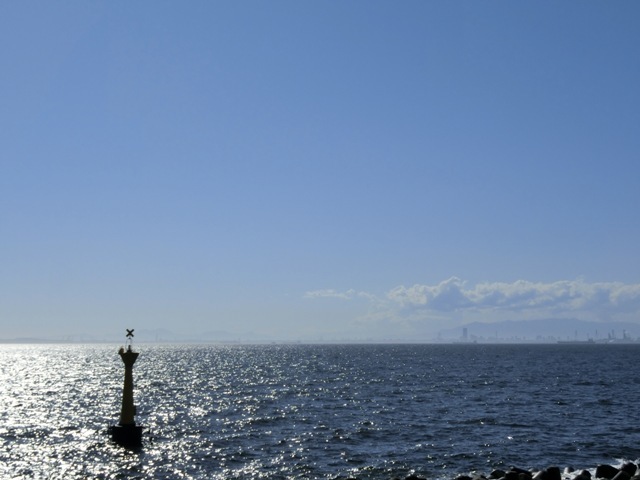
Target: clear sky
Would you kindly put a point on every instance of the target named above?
(353, 169)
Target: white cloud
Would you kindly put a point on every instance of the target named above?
(447, 295)
(330, 293)
(561, 296)
(491, 300)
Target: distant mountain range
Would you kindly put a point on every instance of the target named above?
(545, 329)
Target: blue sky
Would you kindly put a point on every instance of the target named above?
(327, 170)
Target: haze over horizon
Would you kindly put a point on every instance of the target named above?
(296, 170)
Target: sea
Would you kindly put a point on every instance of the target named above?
(318, 411)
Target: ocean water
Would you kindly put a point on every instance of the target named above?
(318, 411)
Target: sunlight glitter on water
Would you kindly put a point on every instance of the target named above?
(368, 411)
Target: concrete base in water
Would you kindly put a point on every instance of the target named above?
(127, 435)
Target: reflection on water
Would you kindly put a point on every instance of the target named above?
(314, 411)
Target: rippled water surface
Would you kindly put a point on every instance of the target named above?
(367, 411)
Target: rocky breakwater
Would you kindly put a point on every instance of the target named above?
(628, 471)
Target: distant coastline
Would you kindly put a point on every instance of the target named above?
(528, 342)
(563, 331)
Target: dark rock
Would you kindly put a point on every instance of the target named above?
(584, 475)
(606, 471)
(520, 474)
(511, 475)
(413, 476)
(497, 473)
(622, 475)
(552, 473)
(463, 477)
(630, 468)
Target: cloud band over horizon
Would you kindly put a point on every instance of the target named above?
(602, 300)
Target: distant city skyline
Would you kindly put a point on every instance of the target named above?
(539, 331)
(317, 170)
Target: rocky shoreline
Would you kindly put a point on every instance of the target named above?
(627, 471)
